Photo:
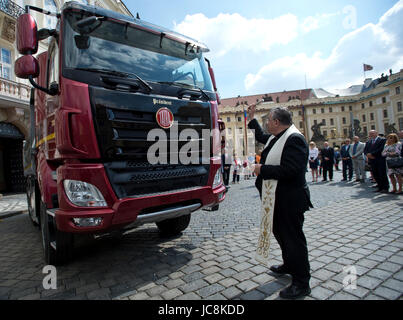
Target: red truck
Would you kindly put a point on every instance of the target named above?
(105, 83)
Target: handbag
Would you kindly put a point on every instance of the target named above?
(394, 163)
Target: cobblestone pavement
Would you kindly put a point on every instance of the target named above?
(12, 204)
(350, 231)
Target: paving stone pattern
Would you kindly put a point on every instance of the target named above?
(351, 231)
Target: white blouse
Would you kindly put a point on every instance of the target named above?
(313, 153)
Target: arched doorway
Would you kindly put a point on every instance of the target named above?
(12, 178)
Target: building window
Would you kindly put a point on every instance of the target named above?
(362, 105)
(315, 121)
(325, 133)
(229, 131)
(314, 111)
(399, 106)
(365, 130)
(5, 63)
(324, 121)
(400, 123)
(397, 89)
(322, 110)
(350, 108)
(385, 113)
(239, 119)
(240, 130)
(228, 119)
(331, 122)
(300, 113)
(345, 132)
(370, 103)
(363, 118)
(344, 120)
(373, 127)
(342, 109)
(371, 116)
(383, 99)
(330, 109)
(301, 125)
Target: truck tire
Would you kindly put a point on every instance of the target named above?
(57, 245)
(33, 200)
(174, 226)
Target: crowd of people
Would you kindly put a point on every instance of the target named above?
(356, 157)
(382, 157)
(241, 167)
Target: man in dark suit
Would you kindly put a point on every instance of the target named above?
(328, 161)
(292, 197)
(373, 151)
(346, 161)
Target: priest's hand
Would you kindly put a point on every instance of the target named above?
(251, 112)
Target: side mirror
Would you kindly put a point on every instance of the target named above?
(211, 72)
(26, 66)
(27, 34)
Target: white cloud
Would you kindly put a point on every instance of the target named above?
(379, 45)
(227, 32)
(316, 22)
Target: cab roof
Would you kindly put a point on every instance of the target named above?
(98, 11)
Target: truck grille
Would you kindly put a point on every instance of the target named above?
(123, 121)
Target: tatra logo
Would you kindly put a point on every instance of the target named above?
(159, 101)
(165, 118)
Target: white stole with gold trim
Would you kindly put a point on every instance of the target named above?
(269, 196)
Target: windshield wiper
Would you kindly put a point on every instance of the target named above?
(187, 89)
(118, 74)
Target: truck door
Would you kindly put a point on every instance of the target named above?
(51, 102)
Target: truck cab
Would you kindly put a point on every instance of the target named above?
(125, 126)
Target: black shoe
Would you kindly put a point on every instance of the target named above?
(294, 292)
(281, 269)
(343, 180)
(384, 191)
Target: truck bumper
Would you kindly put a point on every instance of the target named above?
(129, 212)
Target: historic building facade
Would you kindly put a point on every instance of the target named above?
(14, 92)
(377, 107)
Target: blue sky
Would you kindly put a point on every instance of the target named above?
(266, 46)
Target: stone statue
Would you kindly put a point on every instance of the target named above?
(390, 128)
(357, 131)
(317, 135)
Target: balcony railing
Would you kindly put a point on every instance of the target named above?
(14, 90)
(11, 8)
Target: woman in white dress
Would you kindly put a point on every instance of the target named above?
(313, 160)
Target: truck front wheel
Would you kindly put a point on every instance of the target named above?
(57, 245)
(174, 226)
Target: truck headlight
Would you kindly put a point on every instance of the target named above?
(83, 194)
(217, 179)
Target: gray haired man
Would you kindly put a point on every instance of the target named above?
(357, 155)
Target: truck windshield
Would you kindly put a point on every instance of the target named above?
(110, 45)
